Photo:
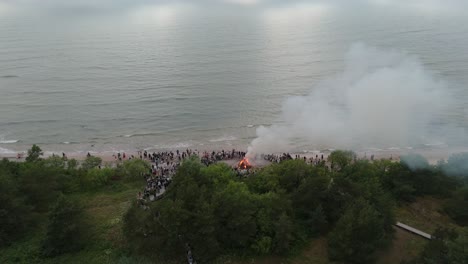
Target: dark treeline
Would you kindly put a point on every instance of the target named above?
(211, 211)
(43, 188)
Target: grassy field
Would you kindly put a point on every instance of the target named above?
(105, 210)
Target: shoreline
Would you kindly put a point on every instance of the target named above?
(433, 155)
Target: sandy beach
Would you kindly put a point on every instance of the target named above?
(433, 155)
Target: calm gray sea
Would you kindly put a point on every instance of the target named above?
(177, 76)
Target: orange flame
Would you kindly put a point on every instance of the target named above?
(244, 164)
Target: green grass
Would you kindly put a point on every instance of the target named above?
(425, 214)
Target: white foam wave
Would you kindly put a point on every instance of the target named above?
(250, 125)
(8, 141)
(129, 135)
(180, 145)
(223, 138)
(311, 151)
(435, 144)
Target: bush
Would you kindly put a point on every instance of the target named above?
(40, 184)
(457, 165)
(134, 168)
(14, 214)
(65, 231)
(95, 178)
(357, 234)
(447, 246)
(457, 206)
(34, 153)
(339, 159)
(91, 162)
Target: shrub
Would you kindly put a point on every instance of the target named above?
(65, 231)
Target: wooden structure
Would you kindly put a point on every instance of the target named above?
(413, 230)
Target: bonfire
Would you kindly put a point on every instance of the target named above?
(244, 164)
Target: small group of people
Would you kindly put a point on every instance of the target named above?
(165, 156)
(273, 158)
(122, 156)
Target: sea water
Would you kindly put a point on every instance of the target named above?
(187, 76)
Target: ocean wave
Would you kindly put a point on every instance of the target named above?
(394, 148)
(435, 144)
(6, 151)
(314, 151)
(10, 76)
(30, 122)
(139, 135)
(224, 138)
(373, 149)
(180, 145)
(9, 141)
(250, 125)
(69, 142)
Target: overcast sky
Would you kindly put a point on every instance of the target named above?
(435, 5)
(50, 8)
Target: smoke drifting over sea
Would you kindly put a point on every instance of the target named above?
(381, 99)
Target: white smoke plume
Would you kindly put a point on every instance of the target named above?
(381, 99)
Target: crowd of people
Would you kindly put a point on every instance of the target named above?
(209, 158)
(164, 165)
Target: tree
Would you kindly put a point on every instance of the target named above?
(307, 200)
(457, 165)
(284, 238)
(415, 161)
(292, 173)
(134, 168)
(95, 178)
(34, 153)
(357, 234)
(398, 180)
(339, 159)
(446, 247)
(66, 228)
(40, 184)
(91, 162)
(458, 248)
(14, 214)
(457, 206)
(72, 164)
(55, 162)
